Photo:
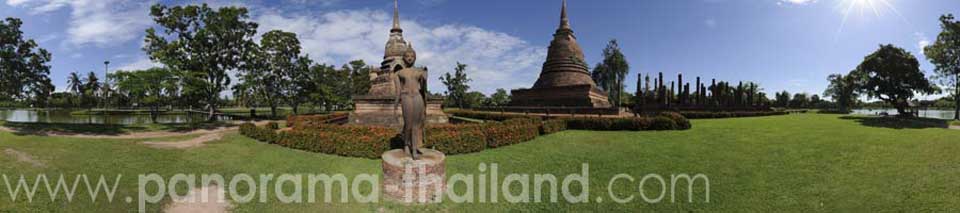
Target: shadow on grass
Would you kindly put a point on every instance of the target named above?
(899, 123)
(46, 129)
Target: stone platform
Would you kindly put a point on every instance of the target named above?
(379, 110)
(569, 96)
(408, 181)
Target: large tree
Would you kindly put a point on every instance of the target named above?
(893, 75)
(500, 98)
(202, 43)
(153, 87)
(323, 78)
(24, 69)
(843, 90)
(945, 54)
(457, 85)
(782, 99)
(611, 73)
(359, 77)
(272, 67)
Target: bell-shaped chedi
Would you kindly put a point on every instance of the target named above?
(565, 79)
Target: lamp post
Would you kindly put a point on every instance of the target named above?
(106, 90)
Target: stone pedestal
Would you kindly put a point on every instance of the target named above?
(408, 181)
(378, 110)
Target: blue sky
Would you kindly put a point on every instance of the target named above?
(781, 44)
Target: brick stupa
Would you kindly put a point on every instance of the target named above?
(564, 79)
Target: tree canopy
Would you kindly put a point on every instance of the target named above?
(201, 43)
(610, 74)
(24, 69)
(893, 75)
(457, 85)
(945, 54)
(843, 90)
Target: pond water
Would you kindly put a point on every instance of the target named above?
(941, 114)
(64, 117)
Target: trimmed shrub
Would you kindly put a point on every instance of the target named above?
(247, 128)
(490, 116)
(343, 140)
(273, 126)
(511, 132)
(553, 126)
(315, 134)
(263, 134)
(709, 115)
(456, 139)
(609, 124)
(681, 121)
(313, 120)
(663, 123)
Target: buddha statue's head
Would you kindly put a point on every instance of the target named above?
(409, 57)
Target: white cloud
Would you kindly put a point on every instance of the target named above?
(494, 59)
(796, 2)
(98, 22)
(922, 40)
(139, 64)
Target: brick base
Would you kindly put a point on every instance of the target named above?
(409, 181)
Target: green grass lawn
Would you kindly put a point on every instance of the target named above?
(794, 163)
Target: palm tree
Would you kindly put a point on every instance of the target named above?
(91, 87)
(74, 83)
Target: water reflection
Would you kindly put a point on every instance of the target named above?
(941, 114)
(65, 116)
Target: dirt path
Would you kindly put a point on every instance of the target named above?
(955, 127)
(191, 143)
(25, 158)
(210, 199)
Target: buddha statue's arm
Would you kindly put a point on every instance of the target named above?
(396, 97)
(423, 84)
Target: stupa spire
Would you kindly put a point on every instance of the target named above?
(564, 21)
(396, 16)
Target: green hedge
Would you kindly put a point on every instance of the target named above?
(456, 139)
(708, 115)
(343, 140)
(261, 134)
(490, 116)
(313, 120)
(511, 131)
(313, 134)
(553, 126)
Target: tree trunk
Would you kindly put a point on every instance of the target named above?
(153, 113)
(212, 113)
(956, 99)
(273, 111)
(296, 108)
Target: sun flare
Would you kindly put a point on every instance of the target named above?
(877, 7)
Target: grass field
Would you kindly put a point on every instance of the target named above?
(793, 163)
